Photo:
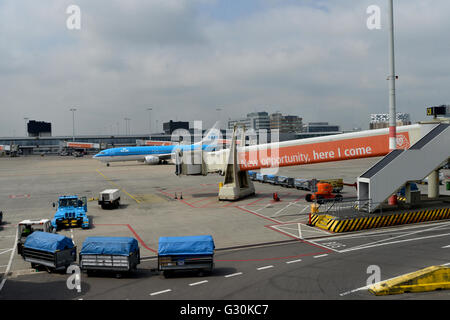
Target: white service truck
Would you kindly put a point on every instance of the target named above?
(109, 199)
(27, 227)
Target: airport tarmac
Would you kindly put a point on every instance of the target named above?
(149, 210)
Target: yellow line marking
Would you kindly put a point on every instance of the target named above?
(116, 185)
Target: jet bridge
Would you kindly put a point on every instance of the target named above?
(236, 161)
(399, 167)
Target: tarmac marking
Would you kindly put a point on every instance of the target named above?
(197, 283)
(7, 250)
(10, 262)
(264, 268)
(320, 256)
(116, 185)
(160, 292)
(233, 275)
(401, 235)
(293, 261)
(393, 242)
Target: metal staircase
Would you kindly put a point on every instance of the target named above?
(402, 166)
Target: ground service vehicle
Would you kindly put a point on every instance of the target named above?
(54, 251)
(304, 184)
(109, 198)
(113, 254)
(260, 177)
(285, 182)
(193, 253)
(323, 194)
(27, 227)
(271, 178)
(71, 212)
(337, 184)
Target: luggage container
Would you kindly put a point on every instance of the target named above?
(271, 178)
(114, 254)
(252, 175)
(285, 181)
(191, 253)
(261, 178)
(54, 251)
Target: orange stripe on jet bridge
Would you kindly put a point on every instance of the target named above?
(346, 149)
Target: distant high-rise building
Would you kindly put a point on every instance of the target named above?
(285, 124)
(381, 120)
(316, 127)
(254, 120)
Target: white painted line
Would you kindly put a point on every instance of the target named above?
(160, 292)
(233, 275)
(320, 256)
(262, 207)
(300, 231)
(10, 261)
(6, 251)
(399, 236)
(264, 268)
(293, 261)
(446, 247)
(197, 283)
(354, 290)
(394, 242)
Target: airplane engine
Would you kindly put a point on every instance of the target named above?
(151, 160)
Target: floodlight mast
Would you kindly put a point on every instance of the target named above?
(392, 107)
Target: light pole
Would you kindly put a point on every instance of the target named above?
(73, 122)
(26, 128)
(127, 125)
(392, 111)
(149, 120)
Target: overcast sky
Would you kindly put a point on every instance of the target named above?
(186, 58)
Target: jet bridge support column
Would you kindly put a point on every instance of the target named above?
(433, 185)
(237, 183)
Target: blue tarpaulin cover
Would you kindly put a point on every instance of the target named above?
(121, 246)
(48, 242)
(191, 245)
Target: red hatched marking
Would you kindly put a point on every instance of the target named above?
(19, 196)
(138, 238)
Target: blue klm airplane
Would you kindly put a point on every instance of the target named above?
(156, 154)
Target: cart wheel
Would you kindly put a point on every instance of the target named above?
(166, 274)
(118, 275)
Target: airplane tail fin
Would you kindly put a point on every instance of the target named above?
(212, 135)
